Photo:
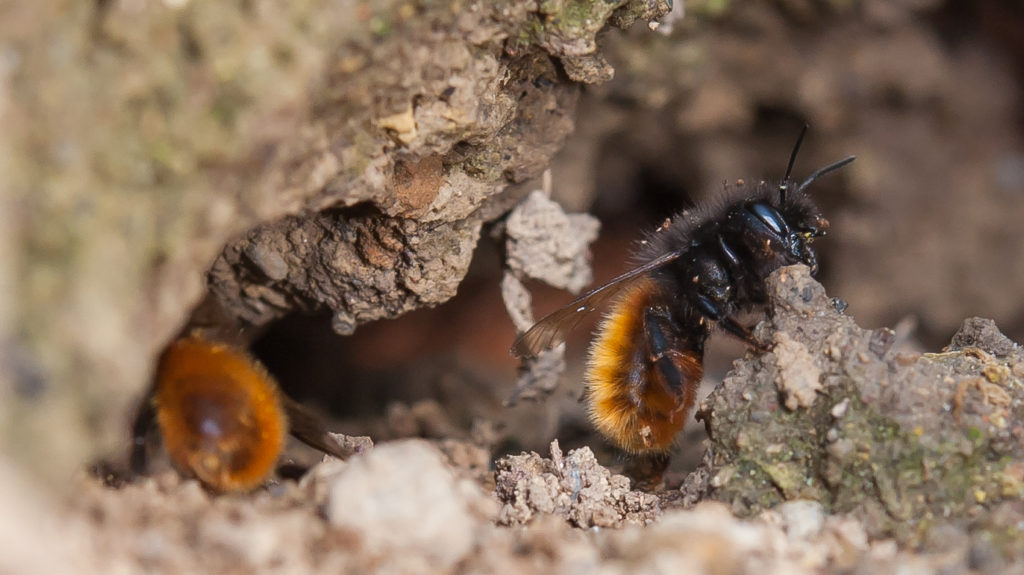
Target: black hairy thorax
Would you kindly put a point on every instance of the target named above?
(728, 249)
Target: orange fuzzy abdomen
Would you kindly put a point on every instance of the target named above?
(629, 399)
(220, 414)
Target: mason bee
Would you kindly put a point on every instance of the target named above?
(696, 271)
(222, 417)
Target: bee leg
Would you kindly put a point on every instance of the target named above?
(732, 326)
(647, 470)
(310, 429)
(138, 459)
(670, 353)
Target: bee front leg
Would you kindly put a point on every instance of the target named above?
(732, 326)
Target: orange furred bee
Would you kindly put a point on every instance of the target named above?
(220, 413)
(638, 341)
(696, 271)
(223, 418)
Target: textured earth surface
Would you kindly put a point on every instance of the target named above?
(894, 462)
(365, 192)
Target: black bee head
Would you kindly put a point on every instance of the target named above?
(799, 212)
(805, 224)
(802, 251)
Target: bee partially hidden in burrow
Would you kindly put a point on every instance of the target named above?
(696, 271)
(222, 417)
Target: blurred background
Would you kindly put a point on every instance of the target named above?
(927, 224)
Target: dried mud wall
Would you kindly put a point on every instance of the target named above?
(140, 138)
(926, 448)
(832, 452)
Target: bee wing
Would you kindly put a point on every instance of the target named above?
(552, 328)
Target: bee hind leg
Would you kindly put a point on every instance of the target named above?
(647, 470)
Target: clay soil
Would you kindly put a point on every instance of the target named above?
(881, 433)
(834, 452)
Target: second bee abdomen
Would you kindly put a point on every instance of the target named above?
(643, 372)
(220, 414)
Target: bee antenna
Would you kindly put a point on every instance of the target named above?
(784, 186)
(821, 172)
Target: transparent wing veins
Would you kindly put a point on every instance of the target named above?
(552, 328)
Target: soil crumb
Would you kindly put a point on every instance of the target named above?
(575, 487)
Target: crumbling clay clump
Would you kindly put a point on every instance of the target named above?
(542, 242)
(175, 128)
(415, 504)
(918, 446)
(575, 487)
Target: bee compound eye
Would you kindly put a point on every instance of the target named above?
(770, 217)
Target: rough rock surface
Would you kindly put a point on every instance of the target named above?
(575, 487)
(917, 446)
(901, 463)
(420, 509)
(167, 525)
(542, 242)
(140, 138)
